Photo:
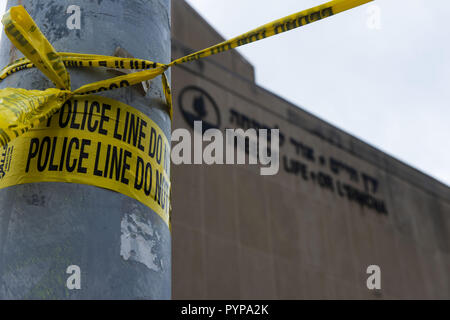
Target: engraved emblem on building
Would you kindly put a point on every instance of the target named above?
(197, 105)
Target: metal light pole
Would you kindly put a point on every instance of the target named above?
(122, 247)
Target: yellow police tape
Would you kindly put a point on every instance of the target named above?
(38, 147)
(285, 24)
(96, 141)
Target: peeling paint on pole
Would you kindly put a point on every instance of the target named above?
(139, 241)
(123, 249)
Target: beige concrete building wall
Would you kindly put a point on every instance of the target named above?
(302, 233)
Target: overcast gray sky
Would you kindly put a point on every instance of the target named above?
(387, 86)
